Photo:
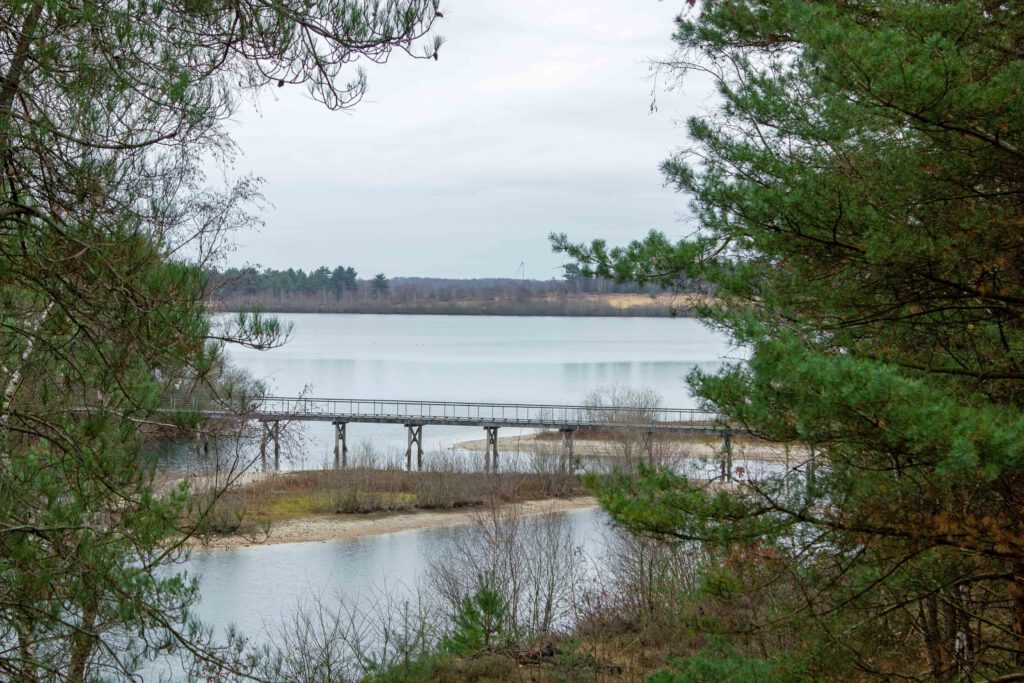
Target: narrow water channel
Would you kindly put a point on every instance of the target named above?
(256, 588)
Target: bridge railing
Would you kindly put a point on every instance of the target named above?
(499, 413)
(233, 405)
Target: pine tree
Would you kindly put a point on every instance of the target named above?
(480, 622)
(107, 113)
(379, 285)
(857, 193)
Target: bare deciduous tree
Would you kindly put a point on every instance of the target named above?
(534, 563)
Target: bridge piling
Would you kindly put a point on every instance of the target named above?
(267, 434)
(340, 445)
(491, 456)
(565, 461)
(263, 446)
(277, 445)
(415, 437)
(726, 455)
(202, 441)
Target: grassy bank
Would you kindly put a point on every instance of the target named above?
(252, 508)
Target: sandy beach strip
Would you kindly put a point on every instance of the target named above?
(689, 447)
(321, 528)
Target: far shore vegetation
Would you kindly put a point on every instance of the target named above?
(340, 290)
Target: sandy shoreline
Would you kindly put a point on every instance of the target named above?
(688, 448)
(321, 528)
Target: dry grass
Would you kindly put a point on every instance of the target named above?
(664, 437)
(550, 304)
(365, 491)
(663, 300)
(671, 447)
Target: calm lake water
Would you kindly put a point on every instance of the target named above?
(449, 358)
(258, 587)
(474, 359)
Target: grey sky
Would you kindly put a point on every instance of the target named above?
(535, 118)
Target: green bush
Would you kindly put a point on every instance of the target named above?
(480, 623)
(717, 666)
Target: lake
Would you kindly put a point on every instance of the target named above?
(444, 358)
(474, 359)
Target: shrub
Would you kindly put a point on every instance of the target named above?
(480, 623)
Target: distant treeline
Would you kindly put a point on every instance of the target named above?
(341, 290)
(283, 284)
(344, 282)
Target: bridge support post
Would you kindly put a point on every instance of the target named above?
(277, 445)
(263, 445)
(202, 442)
(491, 457)
(340, 446)
(415, 437)
(726, 455)
(565, 460)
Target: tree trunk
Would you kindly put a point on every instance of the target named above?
(11, 80)
(26, 651)
(933, 637)
(83, 644)
(1017, 611)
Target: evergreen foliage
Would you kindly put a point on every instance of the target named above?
(480, 623)
(107, 110)
(249, 282)
(858, 197)
(380, 285)
(726, 667)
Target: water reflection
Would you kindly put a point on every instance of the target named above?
(474, 358)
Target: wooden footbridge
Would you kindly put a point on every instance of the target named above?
(415, 415)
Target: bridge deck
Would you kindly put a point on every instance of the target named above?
(343, 410)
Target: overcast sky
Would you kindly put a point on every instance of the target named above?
(536, 118)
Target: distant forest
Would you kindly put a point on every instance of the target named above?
(342, 290)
